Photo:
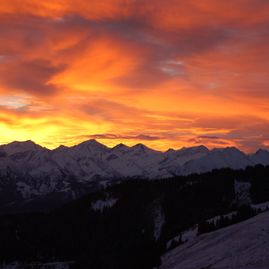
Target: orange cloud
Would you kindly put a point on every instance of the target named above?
(169, 73)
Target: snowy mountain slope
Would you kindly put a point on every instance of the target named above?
(174, 159)
(181, 156)
(216, 159)
(17, 147)
(136, 161)
(92, 160)
(241, 246)
(84, 161)
(260, 157)
(28, 170)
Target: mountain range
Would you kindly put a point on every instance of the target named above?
(29, 171)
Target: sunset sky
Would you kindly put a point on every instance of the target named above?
(166, 73)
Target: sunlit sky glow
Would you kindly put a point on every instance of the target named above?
(167, 73)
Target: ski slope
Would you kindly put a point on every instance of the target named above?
(242, 246)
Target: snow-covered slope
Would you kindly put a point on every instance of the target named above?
(136, 161)
(241, 246)
(92, 160)
(181, 156)
(216, 159)
(260, 157)
(175, 159)
(17, 147)
(28, 170)
(23, 265)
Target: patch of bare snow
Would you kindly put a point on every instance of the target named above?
(262, 206)
(100, 205)
(159, 221)
(51, 265)
(242, 192)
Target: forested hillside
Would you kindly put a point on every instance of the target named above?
(127, 225)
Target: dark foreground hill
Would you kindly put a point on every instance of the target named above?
(128, 225)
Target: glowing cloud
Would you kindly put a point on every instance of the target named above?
(167, 73)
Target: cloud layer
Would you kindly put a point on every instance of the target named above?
(167, 73)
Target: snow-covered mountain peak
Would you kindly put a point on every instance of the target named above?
(196, 149)
(61, 148)
(120, 148)
(227, 149)
(261, 152)
(91, 142)
(20, 146)
(229, 152)
(217, 158)
(91, 146)
(91, 160)
(192, 151)
(177, 158)
(260, 157)
(141, 148)
(170, 150)
(200, 148)
(39, 170)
